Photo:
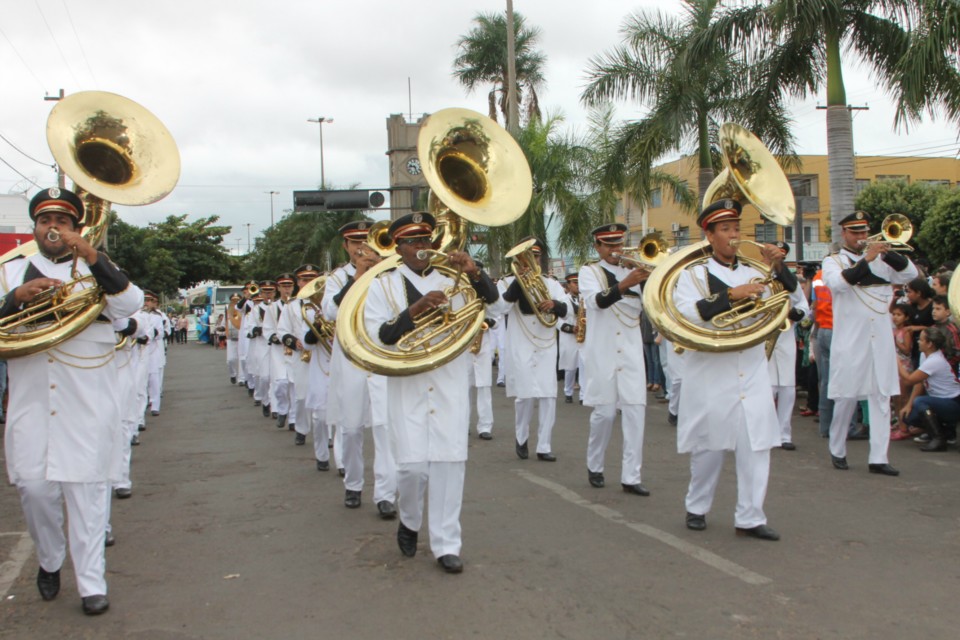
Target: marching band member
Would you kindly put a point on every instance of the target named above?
(783, 363)
(60, 445)
(233, 318)
(260, 349)
(863, 356)
(358, 398)
(155, 348)
(569, 347)
(481, 373)
(430, 411)
(283, 393)
(726, 404)
(128, 362)
(532, 355)
(614, 374)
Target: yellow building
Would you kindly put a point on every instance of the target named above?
(811, 189)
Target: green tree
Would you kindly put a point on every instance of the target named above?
(939, 236)
(687, 96)
(482, 60)
(912, 200)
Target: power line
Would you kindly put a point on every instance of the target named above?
(24, 62)
(24, 153)
(56, 42)
(14, 169)
(83, 53)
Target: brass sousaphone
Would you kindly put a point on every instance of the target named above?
(117, 152)
(476, 171)
(751, 176)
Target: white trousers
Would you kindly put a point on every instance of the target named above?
(241, 371)
(129, 430)
(569, 377)
(753, 472)
(261, 391)
(633, 421)
(879, 409)
(86, 503)
(786, 398)
(445, 480)
(153, 389)
(484, 410)
(321, 436)
(523, 408)
(384, 464)
(233, 362)
(285, 395)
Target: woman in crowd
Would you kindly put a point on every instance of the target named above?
(934, 402)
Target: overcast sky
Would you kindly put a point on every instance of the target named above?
(236, 82)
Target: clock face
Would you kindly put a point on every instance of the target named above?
(413, 167)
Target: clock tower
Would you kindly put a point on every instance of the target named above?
(406, 175)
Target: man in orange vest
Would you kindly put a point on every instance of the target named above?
(822, 304)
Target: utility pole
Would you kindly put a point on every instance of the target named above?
(513, 114)
(272, 193)
(61, 179)
(320, 121)
(248, 237)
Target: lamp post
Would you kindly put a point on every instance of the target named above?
(272, 193)
(320, 120)
(248, 237)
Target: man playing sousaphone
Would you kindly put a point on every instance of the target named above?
(62, 447)
(429, 412)
(726, 404)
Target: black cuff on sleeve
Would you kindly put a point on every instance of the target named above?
(130, 329)
(485, 288)
(897, 261)
(566, 328)
(273, 339)
(514, 292)
(339, 297)
(787, 278)
(289, 341)
(310, 338)
(717, 303)
(491, 323)
(559, 308)
(108, 276)
(857, 272)
(608, 297)
(241, 304)
(795, 315)
(9, 304)
(392, 330)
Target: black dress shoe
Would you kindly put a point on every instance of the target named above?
(351, 499)
(233, 380)
(523, 452)
(451, 563)
(141, 427)
(48, 583)
(761, 531)
(323, 465)
(266, 410)
(407, 541)
(123, 492)
(839, 463)
(273, 415)
(596, 479)
(95, 605)
(501, 384)
(387, 510)
(342, 472)
(300, 438)
(486, 436)
(135, 441)
(696, 522)
(672, 419)
(636, 489)
(109, 541)
(249, 391)
(256, 403)
(568, 399)
(883, 469)
(291, 426)
(546, 457)
(154, 413)
(788, 446)
(281, 421)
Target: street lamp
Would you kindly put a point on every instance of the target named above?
(248, 237)
(272, 193)
(320, 120)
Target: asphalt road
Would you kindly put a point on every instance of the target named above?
(233, 533)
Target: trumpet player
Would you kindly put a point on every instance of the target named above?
(726, 404)
(613, 367)
(358, 398)
(863, 355)
(244, 307)
(282, 392)
(430, 411)
(570, 356)
(532, 354)
(60, 445)
(259, 351)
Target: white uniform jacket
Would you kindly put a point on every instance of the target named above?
(429, 412)
(721, 391)
(863, 356)
(128, 361)
(64, 415)
(567, 339)
(357, 397)
(783, 360)
(531, 346)
(280, 364)
(154, 334)
(290, 329)
(613, 368)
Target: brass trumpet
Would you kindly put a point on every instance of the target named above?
(647, 255)
(895, 230)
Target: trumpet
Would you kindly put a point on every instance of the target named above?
(895, 230)
(647, 255)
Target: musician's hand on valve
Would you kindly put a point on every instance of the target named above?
(751, 290)
(430, 301)
(546, 305)
(462, 260)
(875, 249)
(76, 242)
(633, 278)
(772, 255)
(31, 288)
(366, 258)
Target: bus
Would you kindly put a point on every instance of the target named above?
(205, 303)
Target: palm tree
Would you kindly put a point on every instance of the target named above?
(804, 41)
(482, 59)
(688, 96)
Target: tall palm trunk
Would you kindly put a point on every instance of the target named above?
(839, 139)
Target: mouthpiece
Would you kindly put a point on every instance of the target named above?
(423, 254)
(53, 235)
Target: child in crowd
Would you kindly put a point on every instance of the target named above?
(943, 319)
(903, 340)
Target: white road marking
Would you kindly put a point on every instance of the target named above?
(10, 568)
(612, 515)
